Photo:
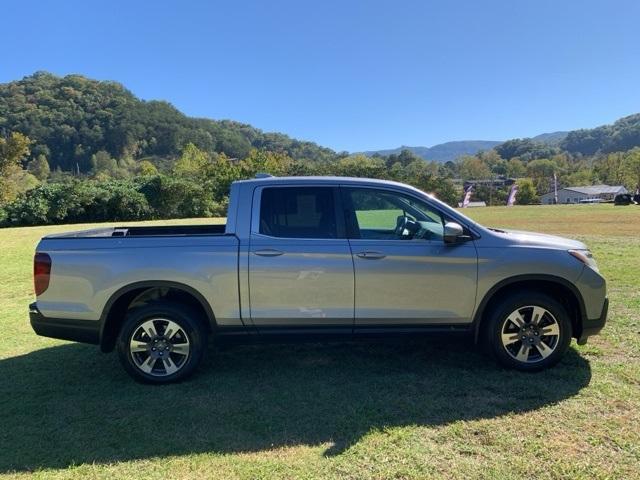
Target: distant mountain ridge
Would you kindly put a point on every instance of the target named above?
(443, 152)
(620, 136)
(553, 138)
(449, 151)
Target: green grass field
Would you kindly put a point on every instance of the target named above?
(429, 408)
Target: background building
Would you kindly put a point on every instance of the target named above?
(576, 194)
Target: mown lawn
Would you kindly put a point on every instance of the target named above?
(366, 410)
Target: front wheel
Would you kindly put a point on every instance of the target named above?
(528, 331)
(161, 342)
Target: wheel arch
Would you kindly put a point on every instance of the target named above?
(120, 301)
(556, 287)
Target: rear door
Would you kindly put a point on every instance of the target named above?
(300, 266)
(404, 272)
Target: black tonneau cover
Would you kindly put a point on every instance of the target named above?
(150, 231)
(169, 230)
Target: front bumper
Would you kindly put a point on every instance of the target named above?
(593, 327)
(84, 331)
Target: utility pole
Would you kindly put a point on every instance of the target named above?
(491, 190)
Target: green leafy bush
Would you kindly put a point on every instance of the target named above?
(78, 201)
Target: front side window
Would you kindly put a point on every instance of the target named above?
(385, 215)
(293, 212)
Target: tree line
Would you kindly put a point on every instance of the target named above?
(195, 184)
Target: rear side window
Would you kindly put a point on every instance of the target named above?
(294, 212)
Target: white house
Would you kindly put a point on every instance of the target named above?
(577, 194)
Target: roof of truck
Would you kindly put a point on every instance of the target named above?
(324, 179)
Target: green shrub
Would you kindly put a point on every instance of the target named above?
(175, 197)
(77, 201)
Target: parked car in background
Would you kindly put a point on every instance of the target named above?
(316, 257)
(623, 199)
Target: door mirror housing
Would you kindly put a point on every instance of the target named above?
(452, 232)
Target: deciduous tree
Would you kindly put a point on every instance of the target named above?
(472, 168)
(39, 167)
(526, 192)
(13, 150)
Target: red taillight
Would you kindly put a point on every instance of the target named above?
(41, 272)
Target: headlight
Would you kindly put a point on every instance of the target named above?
(585, 257)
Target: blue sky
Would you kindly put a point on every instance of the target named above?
(351, 75)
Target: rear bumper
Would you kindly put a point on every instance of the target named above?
(593, 327)
(65, 329)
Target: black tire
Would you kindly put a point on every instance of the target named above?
(537, 351)
(190, 336)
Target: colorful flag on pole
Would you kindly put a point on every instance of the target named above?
(512, 195)
(467, 196)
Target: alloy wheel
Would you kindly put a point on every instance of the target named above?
(530, 334)
(159, 347)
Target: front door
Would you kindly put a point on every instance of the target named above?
(405, 274)
(300, 267)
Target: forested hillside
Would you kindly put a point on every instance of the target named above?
(69, 119)
(622, 135)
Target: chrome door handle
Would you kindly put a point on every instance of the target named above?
(268, 252)
(371, 255)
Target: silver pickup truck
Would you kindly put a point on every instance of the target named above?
(316, 257)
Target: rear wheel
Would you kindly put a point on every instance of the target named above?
(528, 331)
(161, 342)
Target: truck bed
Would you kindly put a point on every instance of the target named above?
(89, 267)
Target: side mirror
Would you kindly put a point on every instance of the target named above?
(452, 232)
